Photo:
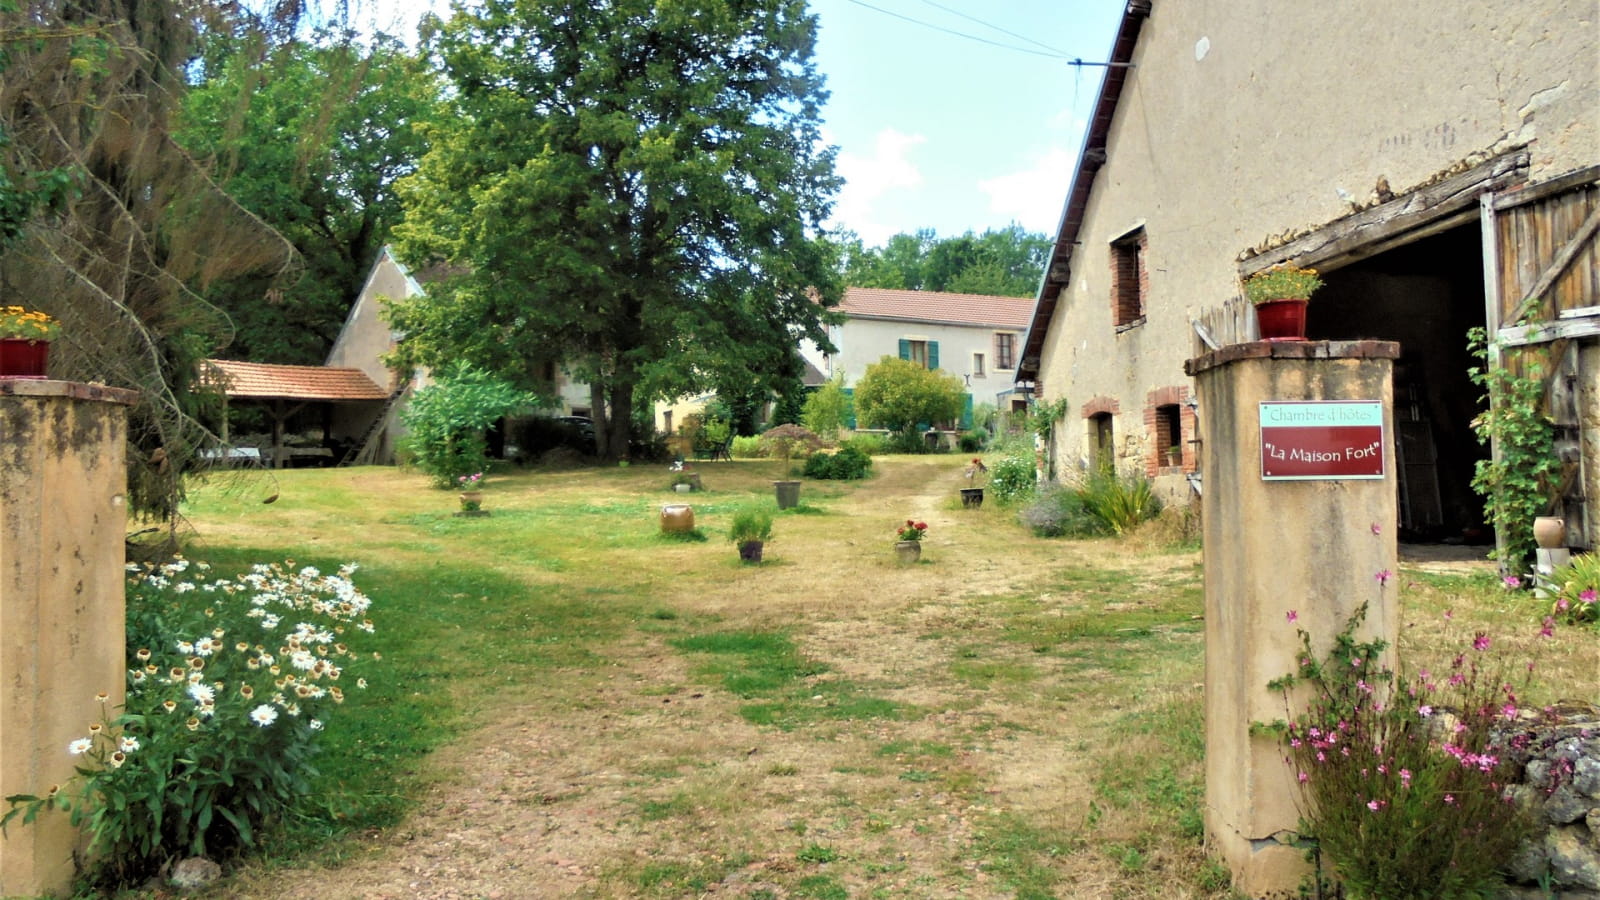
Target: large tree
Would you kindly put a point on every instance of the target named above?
(632, 188)
(1006, 262)
(310, 135)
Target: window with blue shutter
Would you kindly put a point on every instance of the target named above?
(933, 354)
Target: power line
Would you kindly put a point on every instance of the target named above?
(1053, 54)
(974, 19)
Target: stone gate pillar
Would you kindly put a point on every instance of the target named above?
(62, 517)
(1299, 513)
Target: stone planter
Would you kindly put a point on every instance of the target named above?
(683, 487)
(971, 498)
(788, 493)
(907, 551)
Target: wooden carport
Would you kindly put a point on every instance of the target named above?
(285, 390)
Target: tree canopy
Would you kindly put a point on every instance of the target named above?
(310, 136)
(631, 188)
(899, 395)
(1004, 262)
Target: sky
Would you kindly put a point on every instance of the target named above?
(935, 130)
(939, 131)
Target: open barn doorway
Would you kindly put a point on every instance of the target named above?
(1425, 295)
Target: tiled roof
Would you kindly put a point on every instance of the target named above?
(936, 306)
(248, 379)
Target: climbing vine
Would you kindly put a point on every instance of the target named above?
(1516, 486)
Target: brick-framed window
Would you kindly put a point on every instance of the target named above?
(1130, 278)
(1100, 429)
(1169, 422)
(1005, 350)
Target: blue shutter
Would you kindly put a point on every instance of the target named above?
(850, 407)
(905, 349)
(933, 355)
(966, 413)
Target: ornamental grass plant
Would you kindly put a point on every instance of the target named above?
(1403, 774)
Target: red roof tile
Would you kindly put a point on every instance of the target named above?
(248, 379)
(939, 307)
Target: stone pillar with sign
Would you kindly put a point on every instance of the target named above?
(1299, 515)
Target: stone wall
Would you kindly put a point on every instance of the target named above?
(1559, 784)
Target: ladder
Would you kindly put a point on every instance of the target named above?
(363, 450)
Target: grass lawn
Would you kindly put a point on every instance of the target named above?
(572, 705)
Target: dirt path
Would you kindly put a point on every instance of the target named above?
(630, 780)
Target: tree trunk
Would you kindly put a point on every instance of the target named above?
(619, 428)
(597, 412)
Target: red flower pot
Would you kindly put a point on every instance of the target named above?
(23, 358)
(1282, 320)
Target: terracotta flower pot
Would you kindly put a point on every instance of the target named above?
(23, 358)
(1282, 320)
(677, 518)
(1550, 532)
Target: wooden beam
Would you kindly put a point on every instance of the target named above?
(1399, 221)
(1559, 185)
(1545, 332)
(1489, 230)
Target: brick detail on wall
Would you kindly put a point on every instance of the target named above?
(1130, 278)
(1155, 456)
(1101, 405)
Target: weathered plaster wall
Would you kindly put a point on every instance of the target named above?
(1241, 121)
(62, 518)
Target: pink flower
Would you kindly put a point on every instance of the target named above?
(1549, 627)
(1563, 604)
(1303, 778)
(1383, 577)
(1374, 805)
(1481, 642)
(1376, 528)
(1405, 777)
(1587, 596)
(1449, 614)
(1450, 799)
(1509, 711)
(1424, 710)
(1511, 582)
(1292, 616)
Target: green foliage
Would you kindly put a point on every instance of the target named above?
(972, 441)
(847, 464)
(827, 409)
(867, 442)
(1120, 501)
(354, 112)
(633, 189)
(1043, 416)
(1402, 806)
(1576, 586)
(786, 441)
(1006, 262)
(898, 394)
(447, 421)
(1012, 479)
(1519, 486)
(215, 741)
(750, 523)
(747, 447)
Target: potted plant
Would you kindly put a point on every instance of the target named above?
(1175, 455)
(782, 441)
(750, 530)
(684, 480)
(972, 495)
(908, 543)
(1280, 295)
(471, 494)
(25, 337)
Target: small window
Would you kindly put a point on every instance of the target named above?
(978, 370)
(1005, 351)
(1169, 435)
(1100, 432)
(1128, 277)
(919, 353)
(924, 353)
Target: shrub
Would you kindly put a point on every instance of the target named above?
(867, 442)
(747, 447)
(827, 409)
(972, 441)
(1120, 501)
(1012, 479)
(785, 441)
(848, 464)
(447, 421)
(750, 523)
(230, 682)
(1402, 804)
(897, 394)
(1061, 512)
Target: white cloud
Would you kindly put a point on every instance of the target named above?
(1033, 196)
(868, 178)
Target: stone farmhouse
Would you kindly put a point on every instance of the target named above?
(973, 336)
(1437, 163)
